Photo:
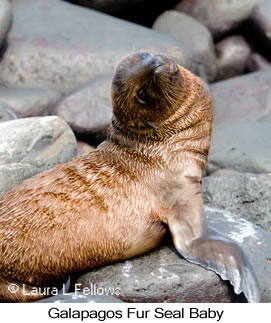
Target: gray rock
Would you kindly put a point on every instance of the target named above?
(163, 276)
(232, 57)
(261, 23)
(257, 62)
(245, 195)
(242, 146)
(29, 102)
(246, 97)
(65, 54)
(88, 110)
(6, 112)
(219, 16)
(159, 276)
(189, 31)
(80, 298)
(32, 145)
(223, 172)
(5, 19)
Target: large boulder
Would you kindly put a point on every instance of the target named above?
(219, 16)
(246, 97)
(5, 19)
(29, 102)
(242, 146)
(57, 45)
(163, 276)
(88, 111)
(31, 145)
(189, 31)
(233, 54)
(157, 277)
(245, 195)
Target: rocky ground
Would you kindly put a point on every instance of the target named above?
(56, 63)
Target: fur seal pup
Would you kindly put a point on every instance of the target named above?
(117, 201)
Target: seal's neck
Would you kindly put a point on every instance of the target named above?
(139, 141)
(191, 143)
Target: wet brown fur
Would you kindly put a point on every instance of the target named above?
(114, 202)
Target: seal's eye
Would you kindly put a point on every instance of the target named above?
(141, 96)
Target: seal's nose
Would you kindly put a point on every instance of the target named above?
(147, 64)
(158, 62)
(161, 64)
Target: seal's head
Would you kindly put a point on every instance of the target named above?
(146, 90)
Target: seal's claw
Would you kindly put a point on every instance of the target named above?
(223, 255)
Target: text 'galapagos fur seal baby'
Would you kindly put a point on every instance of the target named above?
(117, 202)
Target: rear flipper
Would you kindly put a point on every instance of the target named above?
(216, 252)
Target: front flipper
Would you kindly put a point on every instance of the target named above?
(202, 245)
(216, 252)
